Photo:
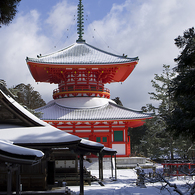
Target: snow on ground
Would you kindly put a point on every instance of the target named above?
(126, 184)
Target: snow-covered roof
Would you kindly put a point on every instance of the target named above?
(81, 53)
(17, 154)
(37, 133)
(87, 146)
(37, 136)
(55, 110)
(23, 114)
(89, 143)
(7, 146)
(109, 150)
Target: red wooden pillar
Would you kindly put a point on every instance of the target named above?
(110, 135)
(92, 133)
(127, 141)
(73, 128)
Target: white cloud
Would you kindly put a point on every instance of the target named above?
(20, 39)
(61, 17)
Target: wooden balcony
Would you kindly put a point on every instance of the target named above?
(80, 90)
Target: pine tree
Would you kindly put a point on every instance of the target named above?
(27, 96)
(182, 121)
(157, 140)
(8, 11)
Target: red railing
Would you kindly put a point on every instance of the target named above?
(173, 169)
(81, 88)
(76, 90)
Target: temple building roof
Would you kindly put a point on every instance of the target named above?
(82, 53)
(104, 112)
(17, 154)
(22, 128)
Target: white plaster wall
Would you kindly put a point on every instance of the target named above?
(120, 148)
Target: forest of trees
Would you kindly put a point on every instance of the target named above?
(28, 97)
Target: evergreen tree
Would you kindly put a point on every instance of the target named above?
(157, 141)
(27, 96)
(182, 121)
(7, 11)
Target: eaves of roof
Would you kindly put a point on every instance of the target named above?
(106, 112)
(81, 53)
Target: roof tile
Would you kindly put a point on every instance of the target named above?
(109, 111)
(82, 53)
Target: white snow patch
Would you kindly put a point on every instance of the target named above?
(126, 184)
(82, 102)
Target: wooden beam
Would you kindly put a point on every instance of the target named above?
(81, 175)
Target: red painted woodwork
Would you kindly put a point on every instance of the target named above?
(118, 72)
(97, 129)
(82, 80)
(173, 169)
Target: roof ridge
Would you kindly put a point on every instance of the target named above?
(40, 56)
(129, 109)
(109, 53)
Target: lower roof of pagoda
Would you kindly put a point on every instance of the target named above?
(88, 109)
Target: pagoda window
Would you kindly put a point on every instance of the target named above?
(98, 139)
(118, 136)
(104, 139)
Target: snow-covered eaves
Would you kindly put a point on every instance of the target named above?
(88, 143)
(87, 146)
(108, 151)
(17, 154)
(109, 111)
(43, 136)
(82, 53)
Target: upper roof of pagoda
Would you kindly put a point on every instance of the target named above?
(82, 53)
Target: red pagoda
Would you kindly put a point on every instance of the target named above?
(81, 104)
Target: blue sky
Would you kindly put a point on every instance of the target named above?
(97, 8)
(144, 28)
